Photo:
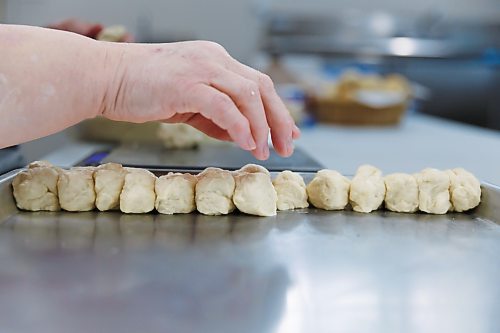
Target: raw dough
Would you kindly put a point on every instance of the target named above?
(76, 189)
(138, 193)
(114, 33)
(35, 189)
(367, 189)
(214, 192)
(255, 194)
(328, 190)
(179, 136)
(401, 193)
(39, 164)
(175, 193)
(291, 190)
(109, 179)
(433, 191)
(465, 190)
(252, 168)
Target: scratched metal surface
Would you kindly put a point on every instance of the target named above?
(302, 271)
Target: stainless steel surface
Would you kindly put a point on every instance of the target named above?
(223, 156)
(10, 159)
(378, 35)
(302, 271)
(405, 47)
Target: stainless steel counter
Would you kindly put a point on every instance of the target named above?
(302, 271)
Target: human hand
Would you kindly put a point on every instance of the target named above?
(200, 84)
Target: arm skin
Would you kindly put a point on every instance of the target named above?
(50, 80)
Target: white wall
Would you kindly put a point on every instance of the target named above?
(233, 23)
(2, 10)
(228, 22)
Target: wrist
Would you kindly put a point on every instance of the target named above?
(105, 74)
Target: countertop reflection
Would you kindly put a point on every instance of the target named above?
(302, 271)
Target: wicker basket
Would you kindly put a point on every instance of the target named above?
(354, 113)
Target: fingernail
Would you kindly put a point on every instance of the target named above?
(264, 152)
(257, 154)
(290, 147)
(296, 132)
(251, 143)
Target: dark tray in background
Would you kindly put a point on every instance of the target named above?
(223, 156)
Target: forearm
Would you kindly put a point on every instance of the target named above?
(49, 80)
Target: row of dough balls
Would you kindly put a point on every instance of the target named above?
(44, 187)
(250, 189)
(432, 191)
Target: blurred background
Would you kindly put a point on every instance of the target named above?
(355, 62)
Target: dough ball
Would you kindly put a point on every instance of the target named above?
(328, 190)
(291, 190)
(252, 168)
(175, 193)
(433, 191)
(109, 179)
(35, 189)
(138, 193)
(367, 189)
(254, 194)
(465, 190)
(401, 193)
(179, 136)
(214, 192)
(114, 33)
(39, 164)
(76, 189)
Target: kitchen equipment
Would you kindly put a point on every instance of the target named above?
(10, 159)
(223, 156)
(301, 271)
(457, 60)
(358, 99)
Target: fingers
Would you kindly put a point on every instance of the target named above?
(295, 132)
(208, 127)
(246, 96)
(282, 124)
(93, 30)
(82, 28)
(283, 129)
(218, 108)
(201, 123)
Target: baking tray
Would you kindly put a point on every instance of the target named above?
(302, 271)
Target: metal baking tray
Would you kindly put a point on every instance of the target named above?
(301, 271)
